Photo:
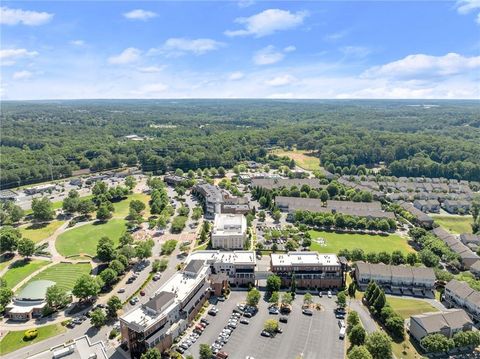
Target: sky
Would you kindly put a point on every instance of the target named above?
(240, 49)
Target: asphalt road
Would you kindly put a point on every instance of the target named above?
(303, 336)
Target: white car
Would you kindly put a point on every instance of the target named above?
(329, 294)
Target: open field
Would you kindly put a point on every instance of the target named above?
(84, 239)
(301, 158)
(21, 269)
(39, 232)
(122, 208)
(408, 307)
(64, 274)
(14, 340)
(454, 224)
(334, 242)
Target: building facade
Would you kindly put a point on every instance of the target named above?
(310, 269)
(229, 231)
(460, 295)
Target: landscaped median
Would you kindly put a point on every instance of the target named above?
(15, 340)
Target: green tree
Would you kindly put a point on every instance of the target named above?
(307, 299)
(437, 343)
(85, 206)
(271, 325)
(26, 247)
(151, 353)
(395, 325)
(357, 335)
(412, 258)
(119, 264)
(253, 297)
(352, 320)
(103, 213)
(342, 299)
(379, 345)
(352, 288)
(85, 287)
(205, 351)
(397, 258)
(105, 249)
(137, 205)
(109, 276)
(273, 283)
(56, 297)
(465, 339)
(274, 298)
(130, 182)
(9, 238)
(287, 298)
(291, 245)
(144, 250)
(114, 304)
(276, 215)
(42, 209)
(98, 318)
(359, 352)
(6, 295)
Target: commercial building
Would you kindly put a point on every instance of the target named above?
(460, 295)
(217, 200)
(30, 302)
(174, 180)
(229, 231)
(311, 269)
(418, 281)
(40, 189)
(168, 313)
(447, 323)
(80, 348)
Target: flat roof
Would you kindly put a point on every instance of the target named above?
(233, 257)
(303, 258)
(80, 348)
(229, 224)
(35, 290)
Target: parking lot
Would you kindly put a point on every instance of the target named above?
(303, 336)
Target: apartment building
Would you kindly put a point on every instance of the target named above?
(418, 281)
(217, 200)
(447, 323)
(229, 231)
(311, 269)
(460, 295)
(274, 183)
(427, 206)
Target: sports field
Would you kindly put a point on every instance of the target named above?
(454, 224)
(84, 239)
(333, 242)
(39, 232)
(301, 158)
(64, 274)
(21, 269)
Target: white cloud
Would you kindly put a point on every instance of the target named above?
(151, 69)
(281, 80)
(466, 6)
(245, 3)
(268, 22)
(235, 76)
(139, 14)
(420, 65)
(22, 75)
(150, 90)
(77, 43)
(355, 51)
(9, 56)
(18, 16)
(127, 56)
(290, 48)
(179, 46)
(335, 36)
(267, 56)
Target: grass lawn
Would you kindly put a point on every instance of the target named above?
(84, 239)
(39, 232)
(409, 352)
(64, 274)
(454, 224)
(14, 340)
(122, 208)
(21, 269)
(334, 242)
(408, 307)
(302, 159)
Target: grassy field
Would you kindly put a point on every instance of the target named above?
(369, 243)
(122, 208)
(84, 239)
(408, 307)
(64, 274)
(21, 269)
(39, 232)
(454, 224)
(301, 158)
(14, 340)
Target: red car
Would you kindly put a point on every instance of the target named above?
(142, 293)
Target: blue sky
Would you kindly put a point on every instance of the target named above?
(240, 49)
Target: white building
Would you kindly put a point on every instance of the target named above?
(229, 231)
(80, 348)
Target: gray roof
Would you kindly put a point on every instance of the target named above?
(468, 237)
(35, 290)
(415, 273)
(463, 290)
(157, 302)
(194, 266)
(270, 183)
(434, 322)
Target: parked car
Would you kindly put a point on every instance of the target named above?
(273, 310)
(283, 320)
(307, 312)
(320, 294)
(142, 293)
(247, 315)
(213, 312)
(121, 290)
(205, 321)
(341, 335)
(279, 330)
(264, 333)
(329, 294)
(222, 355)
(221, 299)
(244, 321)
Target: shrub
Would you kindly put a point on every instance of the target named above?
(113, 333)
(30, 334)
